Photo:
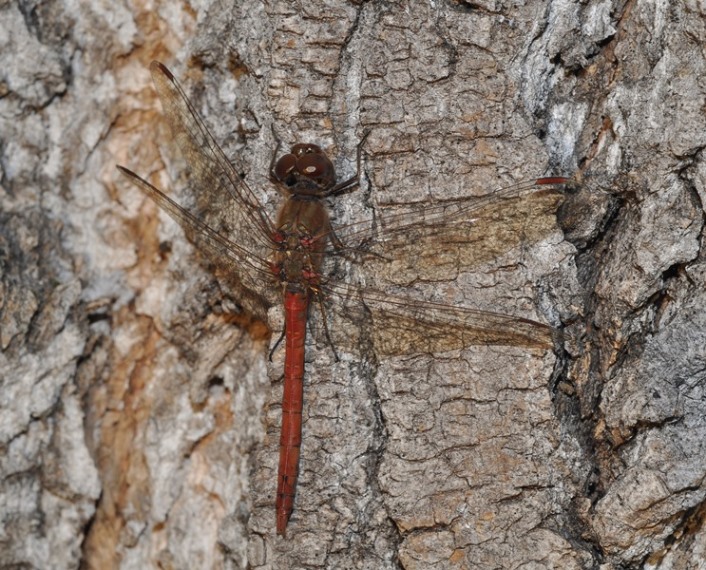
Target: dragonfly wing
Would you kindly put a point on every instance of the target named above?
(402, 329)
(245, 272)
(212, 176)
(225, 205)
(399, 218)
(425, 242)
(401, 326)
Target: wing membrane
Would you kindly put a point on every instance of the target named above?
(248, 274)
(421, 244)
(212, 174)
(403, 325)
(212, 178)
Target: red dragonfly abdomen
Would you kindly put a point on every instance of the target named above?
(296, 306)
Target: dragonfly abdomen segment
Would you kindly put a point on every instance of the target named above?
(296, 305)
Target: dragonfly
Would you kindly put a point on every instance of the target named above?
(288, 260)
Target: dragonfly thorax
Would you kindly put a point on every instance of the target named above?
(302, 233)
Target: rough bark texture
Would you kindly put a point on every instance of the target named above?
(138, 427)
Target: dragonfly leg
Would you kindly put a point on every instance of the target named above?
(330, 234)
(279, 340)
(352, 182)
(359, 152)
(320, 301)
(335, 240)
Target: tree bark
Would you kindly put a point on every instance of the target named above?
(140, 411)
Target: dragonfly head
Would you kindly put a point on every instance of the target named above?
(306, 170)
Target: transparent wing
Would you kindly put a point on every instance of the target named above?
(403, 325)
(248, 275)
(212, 174)
(484, 226)
(223, 198)
(420, 243)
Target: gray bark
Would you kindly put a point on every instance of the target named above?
(139, 411)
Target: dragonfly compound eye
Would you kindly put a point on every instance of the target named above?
(314, 165)
(285, 165)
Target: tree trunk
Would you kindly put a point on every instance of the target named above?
(140, 411)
